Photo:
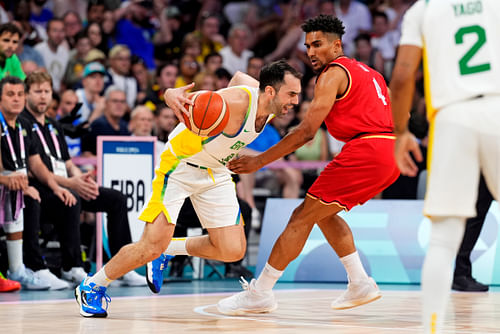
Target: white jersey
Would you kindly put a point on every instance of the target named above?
(461, 39)
(217, 151)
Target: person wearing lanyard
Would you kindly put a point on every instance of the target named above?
(20, 154)
(49, 137)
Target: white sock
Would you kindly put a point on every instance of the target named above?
(354, 267)
(437, 272)
(268, 278)
(100, 278)
(15, 254)
(177, 246)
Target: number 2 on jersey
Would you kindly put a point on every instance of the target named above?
(463, 63)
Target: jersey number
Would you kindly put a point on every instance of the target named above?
(463, 63)
(379, 92)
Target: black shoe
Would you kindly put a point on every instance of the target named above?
(464, 283)
(236, 271)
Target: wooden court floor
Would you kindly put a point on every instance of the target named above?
(300, 311)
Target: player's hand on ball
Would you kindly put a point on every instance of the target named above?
(406, 143)
(244, 164)
(176, 99)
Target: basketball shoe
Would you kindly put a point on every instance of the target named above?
(89, 297)
(7, 285)
(250, 300)
(154, 272)
(357, 294)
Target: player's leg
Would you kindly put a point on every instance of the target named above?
(226, 244)
(92, 290)
(361, 289)
(258, 296)
(452, 187)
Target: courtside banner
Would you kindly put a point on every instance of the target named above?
(391, 237)
(125, 164)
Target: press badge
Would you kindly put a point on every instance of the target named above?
(58, 167)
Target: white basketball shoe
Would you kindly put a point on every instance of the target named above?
(358, 293)
(250, 300)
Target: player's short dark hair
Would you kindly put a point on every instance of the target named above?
(10, 28)
(273, 74)
(324, 23)
(9, 80)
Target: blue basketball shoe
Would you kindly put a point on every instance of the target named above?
(90, 298)
(154, 272)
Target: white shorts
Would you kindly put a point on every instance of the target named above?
(214, 198)
(465, 140)
(15, 226)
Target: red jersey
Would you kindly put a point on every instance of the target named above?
(364, 108)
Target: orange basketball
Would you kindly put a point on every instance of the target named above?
(209, 114)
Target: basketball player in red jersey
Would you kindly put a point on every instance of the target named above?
(353, 100)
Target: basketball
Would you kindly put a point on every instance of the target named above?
(209, 114)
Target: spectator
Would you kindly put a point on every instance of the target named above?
(254, 66)
(94, 32)
(385, 40)
(39, 13)
(34, 32)
(165, 122)
(14, 179)
(168, 41)
(188, 69)
(191, 45)
(166, 75)
(72, 26)
(137, 32)
(76, 63)
(223, 77)
(108, 29)
(119, 71)
(53, 106)
(212, 63)
(54, 53)
(54, 154)
(142, 77)
(62, 7)
(89, 95)
(235, 55)
(95, 11)
(205, 81)
(141, 121)
(67, 105)
(367, 54)
(9, 41)
(208, 32)
(26, 52)
(356, 18)
(314, 150)
(111, 123)
(29, 66)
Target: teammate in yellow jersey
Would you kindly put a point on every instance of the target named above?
(462, 69)
(193, 166)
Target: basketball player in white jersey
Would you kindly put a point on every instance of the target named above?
(193, 166)
(460, 43)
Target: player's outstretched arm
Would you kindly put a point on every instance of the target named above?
(240, 78)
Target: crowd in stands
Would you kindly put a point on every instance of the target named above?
(109, 63)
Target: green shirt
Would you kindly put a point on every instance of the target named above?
(12, 67)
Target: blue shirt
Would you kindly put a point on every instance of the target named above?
(139, 40)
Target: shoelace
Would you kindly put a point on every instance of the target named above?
(99, 294)
(244, 284)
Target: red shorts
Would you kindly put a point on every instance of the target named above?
(363, 168)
